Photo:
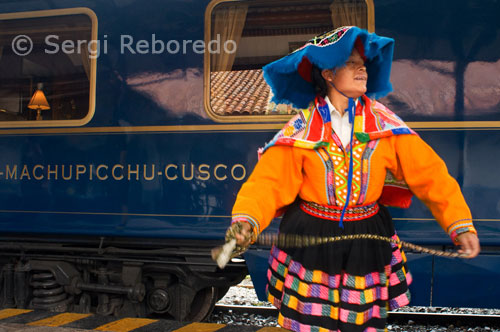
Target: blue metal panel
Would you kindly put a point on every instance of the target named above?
(467, 283)
(470, 160)
(150, 89)
(257, 263)
(194, 204)
(420, 267)
(443, 43)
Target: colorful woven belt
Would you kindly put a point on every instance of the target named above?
(333, 212)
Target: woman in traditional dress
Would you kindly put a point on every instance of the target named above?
(332, 169)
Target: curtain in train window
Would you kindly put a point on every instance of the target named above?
(50, 55)
(347, 12)
(252, 34)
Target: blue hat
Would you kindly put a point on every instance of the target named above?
(290, 77)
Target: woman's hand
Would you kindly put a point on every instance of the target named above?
(469, 244)
(238, 239)
(244, 236)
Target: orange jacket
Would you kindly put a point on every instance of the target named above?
(285, 172)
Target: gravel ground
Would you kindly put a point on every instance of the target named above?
(243, 294)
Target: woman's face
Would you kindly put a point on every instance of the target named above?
(350, 79)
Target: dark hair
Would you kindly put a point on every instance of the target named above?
(318, 81)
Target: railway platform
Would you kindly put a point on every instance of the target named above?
(17, 320)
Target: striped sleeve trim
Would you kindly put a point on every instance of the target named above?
(459, 227)
(249, 219)
(457, 224)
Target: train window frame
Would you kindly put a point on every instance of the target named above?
(282, 118)
(92, 72)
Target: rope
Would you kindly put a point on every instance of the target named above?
(300, 241)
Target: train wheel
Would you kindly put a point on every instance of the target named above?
(221, 291)
(203, 304)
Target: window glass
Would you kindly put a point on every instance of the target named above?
(45, 69)
(253, 34)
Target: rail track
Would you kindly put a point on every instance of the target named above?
(395, 317)
(44, 321)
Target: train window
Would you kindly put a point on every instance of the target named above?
(47, 68)
(243, 36)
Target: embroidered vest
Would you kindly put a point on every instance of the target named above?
(312, 129)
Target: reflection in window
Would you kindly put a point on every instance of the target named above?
(63, 78)
(265, 31)
(429, 94)
(482, 90)
(433, 92)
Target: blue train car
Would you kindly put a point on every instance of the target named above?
(127, 128)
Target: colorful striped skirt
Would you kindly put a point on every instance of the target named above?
(339, 286)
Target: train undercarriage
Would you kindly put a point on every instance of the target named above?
(173, 279)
